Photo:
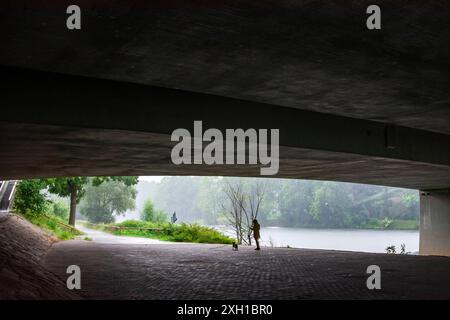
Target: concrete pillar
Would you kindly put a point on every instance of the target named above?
(435, 222)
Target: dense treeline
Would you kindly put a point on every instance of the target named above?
(290, 203)
(295, 203)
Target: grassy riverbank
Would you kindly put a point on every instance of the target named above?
(54, 225)
(371, 224)
(394, 224)
(164, 231)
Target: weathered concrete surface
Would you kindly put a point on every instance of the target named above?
(99, 127)
(70, 151)
(312, 55)
(193, 271)
(22, 246)
(435, 222)
(264, 64)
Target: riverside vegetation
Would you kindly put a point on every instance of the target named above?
(51, 216)
(50, 204)
(163, 231)
(101, 203)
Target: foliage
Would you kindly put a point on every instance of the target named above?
(179, 194)
(403, 249)
(108, 199)
(194, 233)
(397, 224)
(64, 187)
(242, 205)
(29, 198)
(60, 209)
(167, 231)
(150, 214)
(31, 201)
(386, 222)
(391, 250)
(74, 187)
(293, 203)
(54, 225)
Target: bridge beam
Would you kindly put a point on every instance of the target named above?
(64, 125)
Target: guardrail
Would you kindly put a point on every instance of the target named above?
(7, 190)
(62, 224)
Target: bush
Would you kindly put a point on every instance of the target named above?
(170, 232)
(30, 202)
(29, 199)
(405, 225)
(60, 209)
(150, 214)
(195, 233)
(55, 225)
(136, 224)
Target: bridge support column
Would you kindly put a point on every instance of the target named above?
(435, 222)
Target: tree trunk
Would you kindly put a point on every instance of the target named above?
(238, 238)
(73, 206)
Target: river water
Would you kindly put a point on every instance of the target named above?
(333, 239)
(340, 239)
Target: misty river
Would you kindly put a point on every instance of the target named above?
(339, 239)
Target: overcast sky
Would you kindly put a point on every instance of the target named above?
(151, 178)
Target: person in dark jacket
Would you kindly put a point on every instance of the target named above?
(256, 233)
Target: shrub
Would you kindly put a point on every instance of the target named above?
(150, 214)
(391, 250)
(60, 209)
(172, 232)
(193, 233)
(29, 199)
(55, 225)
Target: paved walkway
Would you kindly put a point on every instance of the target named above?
(195, 271)
(104, 237)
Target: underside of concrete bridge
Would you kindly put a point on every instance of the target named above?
(351, 104)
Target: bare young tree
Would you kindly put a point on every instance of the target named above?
(241, 207)
(254, 197)
(232, 207)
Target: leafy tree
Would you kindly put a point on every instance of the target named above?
(74, 187)
(60, 209)
(102, 202)
(150, 214)
(208, 200)
(289, 202)
(29, 198)
(179, 194)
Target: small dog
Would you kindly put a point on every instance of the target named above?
(235, 246)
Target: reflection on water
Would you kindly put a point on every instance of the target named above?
(339, 239)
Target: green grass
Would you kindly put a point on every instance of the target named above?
(54, 225)
(404, 225)
(169, 232)
(395, 224)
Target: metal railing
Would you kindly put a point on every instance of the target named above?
(7, 190)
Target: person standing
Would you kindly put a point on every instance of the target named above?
(256, 233)
(174, 217)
